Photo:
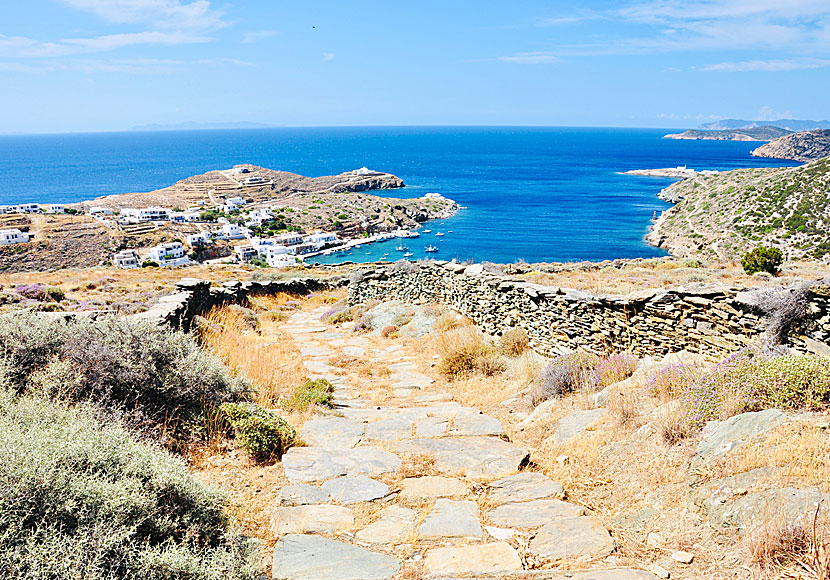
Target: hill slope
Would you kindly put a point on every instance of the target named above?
(803, 146)
(765, 133)
(726, 214)
(790, 124)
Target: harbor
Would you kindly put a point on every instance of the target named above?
(388, 247)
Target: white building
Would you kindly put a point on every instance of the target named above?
(200, 239)
(259, 216)
(245, 253)
(13, 236)
(52, 208)
(434, 196)
(8, 209)
(281, 260)
(126, 259)
(232, 232)
(238, 171)
(146, 214)
(28, 208)
(97, 210)
(365, 171)
(320, 239)
(169, 254)
(289, 239)
(184, 217)
(254, 180)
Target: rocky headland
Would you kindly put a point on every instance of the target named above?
(804, 146)
(724, 215)
(764, 133)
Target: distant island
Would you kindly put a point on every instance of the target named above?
(792, 125)
(763, 133)
(803, 146)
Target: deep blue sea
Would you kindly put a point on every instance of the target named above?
(538, 194)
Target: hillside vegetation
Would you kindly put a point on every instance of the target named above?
(764, 133)
(804, 146)
(724, 215)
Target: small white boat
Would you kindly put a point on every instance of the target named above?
(427, 231)
(413, 235)
(439, 234)
(408, 255)
(358, 246)
(400, 248)
(431, 249)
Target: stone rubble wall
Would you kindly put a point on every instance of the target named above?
(713, 320)
(196, 297)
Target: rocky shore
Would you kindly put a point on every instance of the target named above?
(804, 146)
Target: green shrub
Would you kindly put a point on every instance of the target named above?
(312, 392)
(149, 264)
(154, 378)
(514, 342)
(474, 356)
(263, 433)
(762, 259)
(85, 499)
(55, 294)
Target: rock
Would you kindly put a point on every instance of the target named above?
(469, 456)
(301, 494)
(394, 525)
(390, 429)
(572, 537)
(354, 489)
(332, 432)
(431, 486)
(744, 510)
(301, 557)
(683, 557)
(655, 540)
(721, 437)
(451, 519)
(532, 514)
(498, 557)
(525, 486)
(658, 571)
(476, 424)
(500, 534)
(575, 425)
(305, 464)
(311, 519)
(613, 574)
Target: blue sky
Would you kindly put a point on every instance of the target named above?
(90, 65)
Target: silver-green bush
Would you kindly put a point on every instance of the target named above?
(80, 498)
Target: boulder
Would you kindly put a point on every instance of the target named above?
(354, 489)
(303, 557)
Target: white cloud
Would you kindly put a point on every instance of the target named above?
(774, 65)
(769, 114)
(257, 35)
(328, 56)
(165, 14)
(529, 58)
(22, 47)
(144, 66)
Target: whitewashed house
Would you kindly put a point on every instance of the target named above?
(199, 239)
(238, 171)
(13, 236)
(259, 216)
(365, 171)
(53, 208)
(98, 211)
(169, 254)
(28, 208)
(232, 232)
(254, 180)
(184, 217)
(320, 239)
(289, 239)
(245, 253)
(146, 214)
(125, 259)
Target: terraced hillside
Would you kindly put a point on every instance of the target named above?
(724, 215)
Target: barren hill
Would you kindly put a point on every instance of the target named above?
(803, 146)
(765, 133)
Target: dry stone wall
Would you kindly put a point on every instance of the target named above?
(712, 320)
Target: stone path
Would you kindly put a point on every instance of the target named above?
(417, 486)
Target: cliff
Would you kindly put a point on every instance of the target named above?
(765, 133)
(803, 146)
(724, 215)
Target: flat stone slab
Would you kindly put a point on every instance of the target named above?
(614, 574)
(301, 494)
(390, 429)
(575, 425)
(395, 525)
(311, 519)
(524, 487)
(493, 558)
(319, 367)
(307, 464)
(470, 456)
(572, 537)
(532, 514)
(451, 519)
(332, 432)
(475, 424)
(302, 557)
(431, 486)
(355, 489)
(721, 437)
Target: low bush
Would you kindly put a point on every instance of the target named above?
(615, 368)
(564, 374)
(669, 382)
(363, 324)
(263, 433)
(312, 392)
(474, 354)
(390, 331)
(246, 317)
(514, 342)
(155, 379)
(762, 259)
(85, 499)
(41, 293)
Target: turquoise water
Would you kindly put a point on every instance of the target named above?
(538, 194)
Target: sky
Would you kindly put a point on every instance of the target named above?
(105, 65)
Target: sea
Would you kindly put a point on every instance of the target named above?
(536, 194)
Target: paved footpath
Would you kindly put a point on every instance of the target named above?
(416, 486)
